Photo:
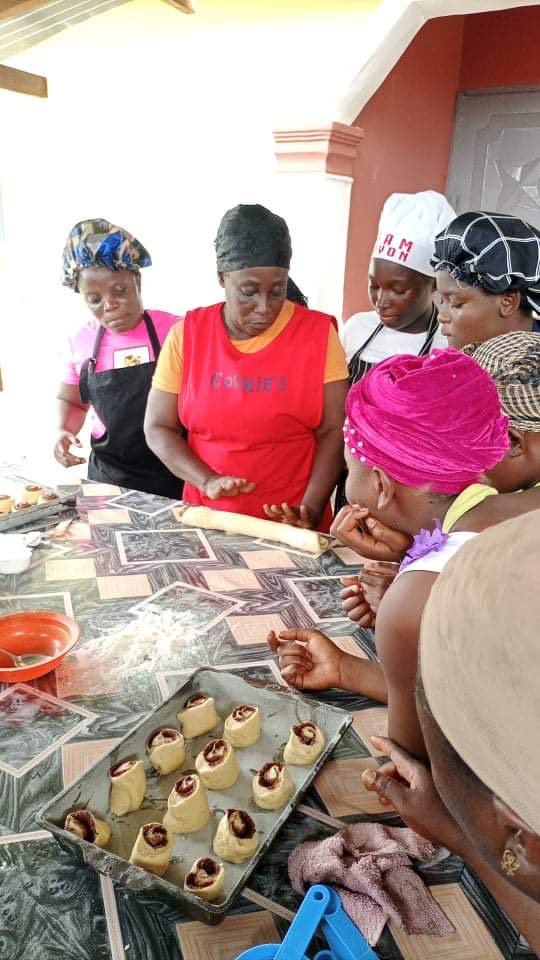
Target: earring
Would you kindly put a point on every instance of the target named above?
(509, 863)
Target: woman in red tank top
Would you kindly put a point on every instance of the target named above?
(262, 387)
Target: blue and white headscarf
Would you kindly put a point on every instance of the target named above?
(98, 243)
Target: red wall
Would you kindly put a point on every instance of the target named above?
(501, 49)
(407, 134)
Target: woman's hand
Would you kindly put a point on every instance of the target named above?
(62, 452)
(368, 537)
(355, 604)
(217, 487)
(302, 516)
(308, 659)
(407, 784)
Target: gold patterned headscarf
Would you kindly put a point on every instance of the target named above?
(480, 660)
(513, 362)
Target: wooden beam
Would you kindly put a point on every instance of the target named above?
(17, 8)
(21, 82)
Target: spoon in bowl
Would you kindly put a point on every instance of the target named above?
(25, 659)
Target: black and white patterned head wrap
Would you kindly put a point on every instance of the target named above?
(493, 251)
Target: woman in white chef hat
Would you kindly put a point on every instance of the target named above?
(400, 284)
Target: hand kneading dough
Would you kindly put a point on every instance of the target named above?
(84, 824)
(272, 786)
(166, 751)
(304, 745)
(187, 806)
(128, 783)
(208, 519)
(243, 726)
(198, 716)
(206, 879)
(217, 765)
(236, 837)
(152, 849)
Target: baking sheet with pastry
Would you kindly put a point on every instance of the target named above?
(13, 490)
(279, 711)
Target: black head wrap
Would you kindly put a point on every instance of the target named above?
(493, 251)
(249, 235)
(294, 294)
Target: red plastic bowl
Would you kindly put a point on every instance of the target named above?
(41, 631)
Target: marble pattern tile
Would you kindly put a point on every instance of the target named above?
(229, 939)
(372, 722)
(70, 569)
(54, 908)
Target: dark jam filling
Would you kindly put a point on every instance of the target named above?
(215, 752)
(163, 736)
(122, 767)
(23, 506)
(203, 874)
(269, 775)
(155, 835)
(196, 700)
(32, 487)
(4, 496)
(185, 786)
(306, 733)
(243, 712)
(241, 824)
(49, 496)
(86, 823)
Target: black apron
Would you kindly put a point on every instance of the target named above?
(358, 369)
(121, 456)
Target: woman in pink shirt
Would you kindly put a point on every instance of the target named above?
(111, 360)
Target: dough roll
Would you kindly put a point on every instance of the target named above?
(243, 726)
(128, 783)
(187, 806)
(152, 849)
(207, 519)
(198, 716)
(236, 837)
(206, 879)
(84, 824)
(306, 742)
(272, 786)
(166, 751)
(217, 765)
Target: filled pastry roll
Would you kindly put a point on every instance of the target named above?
(306, 742)
(48, 497)
(6, 503)
(272, 786)
(187, 806)
(84, 824)
(198, 716)
(152, 849)
(22, 505)
(128, 783)
(236, 837)
(217, 765)
(206, 879)
(31, 493)
(243, 726)
(166, 750)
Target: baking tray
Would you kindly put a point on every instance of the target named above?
(37, 513)
(279, 711)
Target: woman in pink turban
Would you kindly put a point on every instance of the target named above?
(420, 433)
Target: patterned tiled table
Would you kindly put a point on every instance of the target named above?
(126, 552)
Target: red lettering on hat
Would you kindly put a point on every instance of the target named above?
(405, 248)
(387, 242)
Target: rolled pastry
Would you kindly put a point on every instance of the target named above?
(48, 497)
(128, 783)
(217, 765)
(6, 503)
(198, 716)
(31, 493)
(152, 849)
(206, 879)
(208, 519)
(243, 726)
(84, 824)
(166, 750)
(305, 744)
(187, 806)
(22, 505)
(272, 786)
(236, 837)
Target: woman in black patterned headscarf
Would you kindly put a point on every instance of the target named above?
(488, 277)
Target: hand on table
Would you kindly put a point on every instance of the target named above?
(63, 454)
(217, 487)
(367, 536)
(302, 516)
(407, 784)
(308, 659)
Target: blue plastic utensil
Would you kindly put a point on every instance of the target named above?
(321, 905)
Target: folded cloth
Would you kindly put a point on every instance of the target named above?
(369, 866)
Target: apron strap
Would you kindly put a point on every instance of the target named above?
(89, 365)
(357, 369)
(154, 340)
(430, 334)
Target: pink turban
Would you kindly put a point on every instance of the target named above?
(427, 421)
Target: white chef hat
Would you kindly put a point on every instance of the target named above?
(408, 226)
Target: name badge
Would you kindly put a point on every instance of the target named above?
(132, 357)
